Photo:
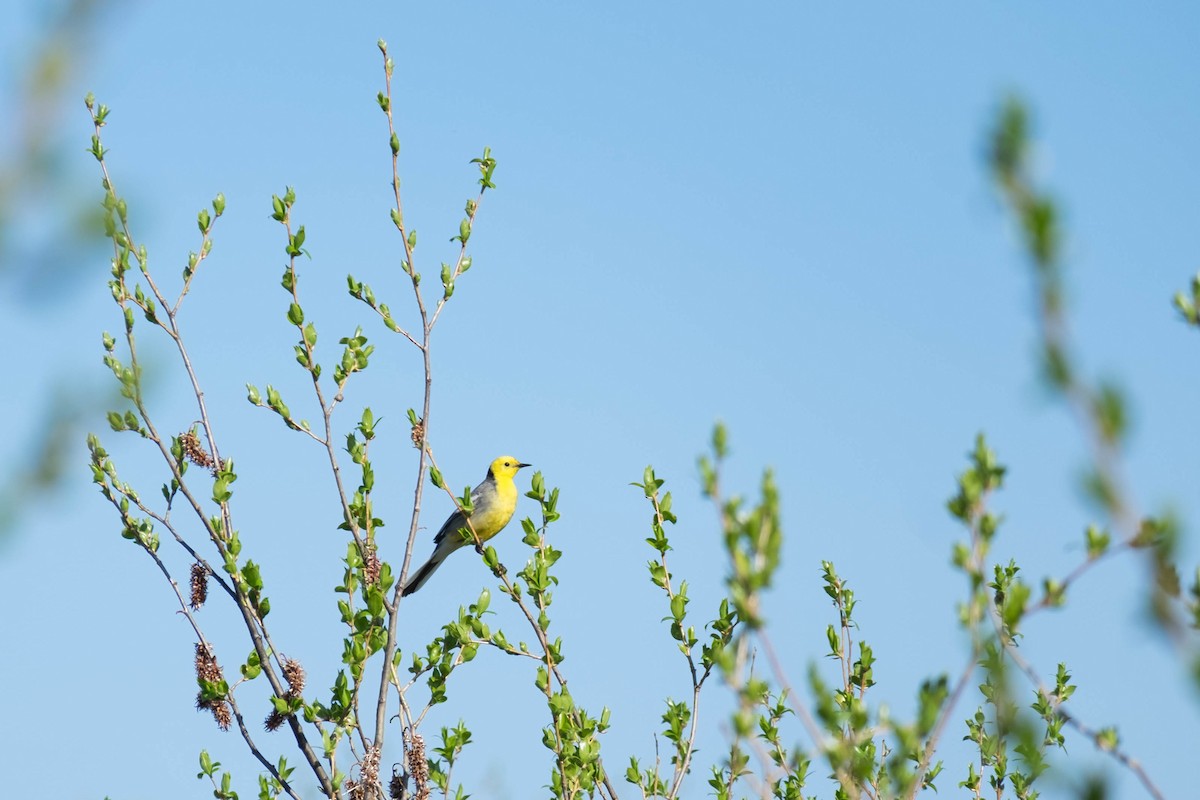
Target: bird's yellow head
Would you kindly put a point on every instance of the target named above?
(505, 467)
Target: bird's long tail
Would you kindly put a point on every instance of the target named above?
(418, 578)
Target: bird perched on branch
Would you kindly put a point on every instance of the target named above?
(493, 503)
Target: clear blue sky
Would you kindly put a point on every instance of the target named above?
(777, 216)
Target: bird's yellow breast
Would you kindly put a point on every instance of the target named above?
(494, 508)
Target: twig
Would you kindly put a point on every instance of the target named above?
(183, 607)
(393, 607)
(254, 625)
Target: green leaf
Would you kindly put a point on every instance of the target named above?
(1097, 542)
(252, 668)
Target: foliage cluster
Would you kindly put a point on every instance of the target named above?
(782, 741)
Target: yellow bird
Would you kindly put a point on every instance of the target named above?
(493, 502)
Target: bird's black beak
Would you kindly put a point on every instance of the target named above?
(524, 465)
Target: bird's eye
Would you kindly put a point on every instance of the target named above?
(508, 463)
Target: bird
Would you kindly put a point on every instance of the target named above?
(493, 502)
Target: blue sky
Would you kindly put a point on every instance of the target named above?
(779, 217)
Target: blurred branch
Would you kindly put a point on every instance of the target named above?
(40, 470)
(1098, 406)
(44, 222)
(34, 184)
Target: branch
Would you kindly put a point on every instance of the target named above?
(124, 245)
